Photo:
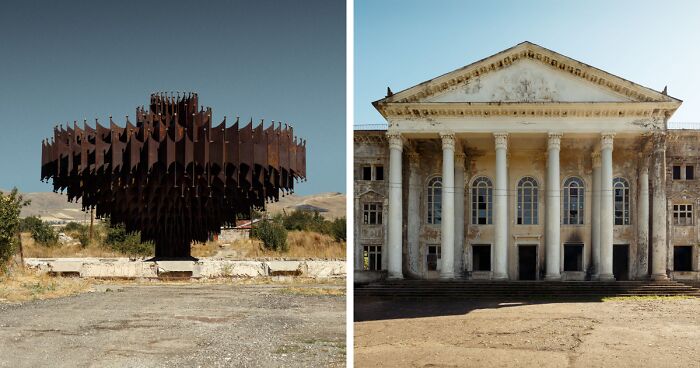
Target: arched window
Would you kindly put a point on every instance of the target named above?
(527, 201)
(482, 201)
(573, 201)
(621, 190)
(435, 200)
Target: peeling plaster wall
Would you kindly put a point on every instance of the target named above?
(526, 81)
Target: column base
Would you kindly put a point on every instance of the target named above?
(595, 277)
(552, 277)
(394, 276)
(499, 276)
(606, 277)
(447, 276)
(658, 277)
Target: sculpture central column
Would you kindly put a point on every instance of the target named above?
(658, 229)
(448, 206)
(413, 213)
(459, 214)
(500, 208)
(395, 206)
(552, 226)
(595, 219)
(606, 208)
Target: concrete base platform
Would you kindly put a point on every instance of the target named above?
(124, 268)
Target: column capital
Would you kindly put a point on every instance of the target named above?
(554, 140)
(501, 140)
(606, 140)
(395, 140)
(595, 157)
(448, 140)
(459, 160)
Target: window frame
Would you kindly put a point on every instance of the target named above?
(481, 183)
(686, 212)
(580, 197)
(520, 202)
(620, 183)
(367, 212)
(434, 200)
(372, 252)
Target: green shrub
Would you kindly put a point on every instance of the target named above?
(45, 235)
(73, 226)
(128, 243)
(29, 224)
(339, 229)
(272, 233)
(84, 236)
(10, 206)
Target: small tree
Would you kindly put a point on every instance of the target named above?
(339, 229)
(29, 223)
(45, 235)
(272, 233)
(10, 206)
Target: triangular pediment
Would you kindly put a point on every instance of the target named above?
(527, 81)
(527, 73)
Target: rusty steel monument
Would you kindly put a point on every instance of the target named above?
(172, 175)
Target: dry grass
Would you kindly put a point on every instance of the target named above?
(313, 291)
(20, 284)
(32, 249)
(208, 249)
(302, 244)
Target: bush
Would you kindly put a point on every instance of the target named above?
(84, 236)
(29, 224)
(10, 206)
(73, 226)
(272, 233)
(128, 243)
(339, 229)
(45, 235)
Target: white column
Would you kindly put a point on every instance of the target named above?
(595, 219)
(500, 208)
(459, 213)
(448, 205)
(606, 208)
(658, 229)
(553, 224)
(413, 214)
(643, 218)
(359, 259)
(395, 220)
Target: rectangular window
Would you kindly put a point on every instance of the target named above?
(379, 173)
(683, 258)
(366, 172)
(573, 257)
(481, 257)
(676, 172)
(689, 172)
(372, 214)
(433, 257)
(372, 257)
(682, 214)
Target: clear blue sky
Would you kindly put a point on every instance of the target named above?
(275, 60)
(402, 43)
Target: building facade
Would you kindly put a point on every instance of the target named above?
(526, 165)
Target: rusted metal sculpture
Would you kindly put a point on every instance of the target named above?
(173, 176)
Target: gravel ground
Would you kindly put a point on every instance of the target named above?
(177, 326)
(649, 333)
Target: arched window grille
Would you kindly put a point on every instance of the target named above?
(435, 200)
(527, 201)
(621, 191)
(482, 201)
(574, 197)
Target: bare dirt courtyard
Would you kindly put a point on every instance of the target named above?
(639, 333)
(179, 325)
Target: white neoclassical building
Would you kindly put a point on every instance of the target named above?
(524, 165)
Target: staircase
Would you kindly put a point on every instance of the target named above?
(520, 290)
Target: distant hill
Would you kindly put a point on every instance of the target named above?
(55, 207)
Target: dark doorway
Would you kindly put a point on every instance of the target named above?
(481, 258)
(527, 262)
(433, 257)
(683, 258)
(573, 257)
(621, 258)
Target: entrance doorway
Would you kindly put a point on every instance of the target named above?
(527, 262)
(682, 258)
(433, 257)
(481, 257)
(621, 259)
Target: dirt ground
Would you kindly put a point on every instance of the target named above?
(646, 333)
(161, 325)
